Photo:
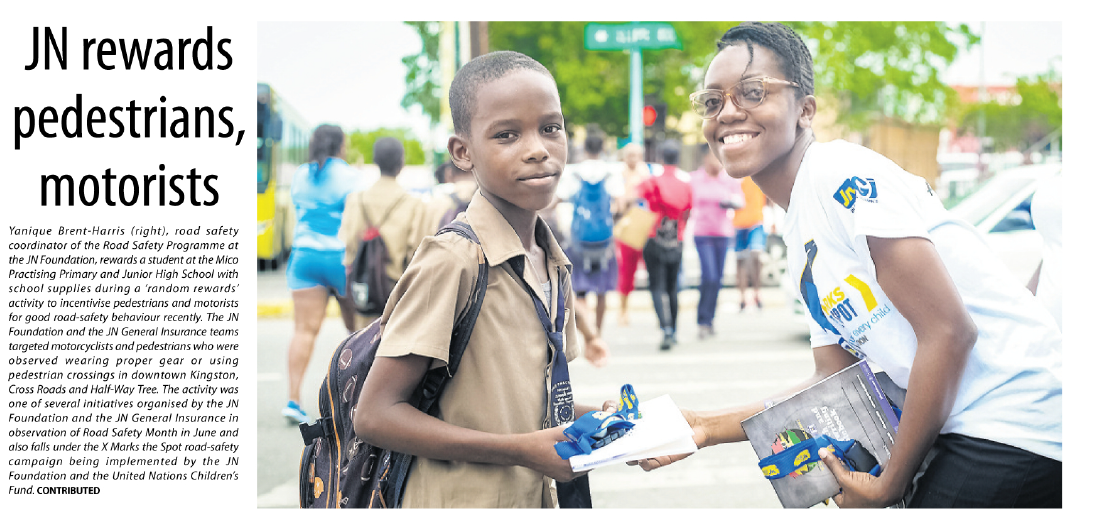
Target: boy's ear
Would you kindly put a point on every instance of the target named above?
(460, 153)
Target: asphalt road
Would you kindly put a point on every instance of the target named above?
(753, 355)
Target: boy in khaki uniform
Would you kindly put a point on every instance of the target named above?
(491, 444)
(388, 206)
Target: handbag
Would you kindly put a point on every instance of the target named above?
(634, 227)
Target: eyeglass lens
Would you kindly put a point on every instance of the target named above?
(747, 94)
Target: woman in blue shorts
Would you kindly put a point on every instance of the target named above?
(315, 270)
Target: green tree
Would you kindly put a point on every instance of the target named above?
(422, 75)
(1037, 112)
(362, 145)
(884, 68)
(868, 68)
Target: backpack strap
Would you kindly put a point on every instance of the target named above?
(426, 398)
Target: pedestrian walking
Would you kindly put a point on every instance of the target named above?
(715, 195)
(387, 206)
(669, 195)
(315, 270)
(750, 243)
(628, 259)
(592, 187)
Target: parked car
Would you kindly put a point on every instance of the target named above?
(1001, 209)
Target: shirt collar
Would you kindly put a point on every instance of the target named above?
(500, 242)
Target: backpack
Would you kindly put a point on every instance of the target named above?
(338, 469)
(592, 221)
(453, 212)
(370, 286)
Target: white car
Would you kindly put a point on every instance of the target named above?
(1000, 209)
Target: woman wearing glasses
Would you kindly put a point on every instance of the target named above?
(888, 275)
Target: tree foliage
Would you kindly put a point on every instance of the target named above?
(868, 68)
(1037, 112)
(361, 146)
(884, 68)
(422, 75)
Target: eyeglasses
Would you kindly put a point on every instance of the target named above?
(746, 94)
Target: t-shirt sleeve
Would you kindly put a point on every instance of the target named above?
(880, 199)
(432, 292)
(614, 184)
(569, 185)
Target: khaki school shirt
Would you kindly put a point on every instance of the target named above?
(502, 382)
(440, 204)
(400, 230)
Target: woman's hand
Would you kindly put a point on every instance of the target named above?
(699, 437)
(858, 489)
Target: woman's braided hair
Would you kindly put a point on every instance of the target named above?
(793, 56)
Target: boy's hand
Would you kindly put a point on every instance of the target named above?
(857, 489)
(596, 352)
(539, 454)
(699, 437)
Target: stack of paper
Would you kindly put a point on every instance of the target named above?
(662, 431)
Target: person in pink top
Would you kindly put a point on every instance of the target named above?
(715, 194)
(671, 197)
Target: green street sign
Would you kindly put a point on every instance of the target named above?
(641, 35)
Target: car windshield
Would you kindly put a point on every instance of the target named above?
(982, 202)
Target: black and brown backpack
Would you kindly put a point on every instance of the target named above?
(338, 469)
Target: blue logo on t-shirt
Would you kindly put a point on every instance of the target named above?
(854, 188)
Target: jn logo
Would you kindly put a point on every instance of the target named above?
(853, 188)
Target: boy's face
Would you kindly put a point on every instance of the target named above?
(517, 143)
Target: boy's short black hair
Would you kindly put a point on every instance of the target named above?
(389, 155)
(793, 56)
(479, 71)
(671, 151)
(594, 144)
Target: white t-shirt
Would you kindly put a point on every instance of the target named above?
(1047, 215)
(1011, 390)
(590, 171)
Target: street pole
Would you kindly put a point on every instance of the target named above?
(635, 97)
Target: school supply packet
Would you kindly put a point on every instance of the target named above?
(847, 406)
(661, 430)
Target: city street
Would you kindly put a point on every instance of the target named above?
(754, 354)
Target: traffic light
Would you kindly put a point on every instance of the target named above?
(657, 117)
(649, 115)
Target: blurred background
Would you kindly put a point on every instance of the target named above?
(973, 107)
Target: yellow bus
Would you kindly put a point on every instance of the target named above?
(282, 147)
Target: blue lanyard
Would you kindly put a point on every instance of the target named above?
(562, 396)
(598, 429)
(803, 453)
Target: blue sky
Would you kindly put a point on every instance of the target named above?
(350, 73)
